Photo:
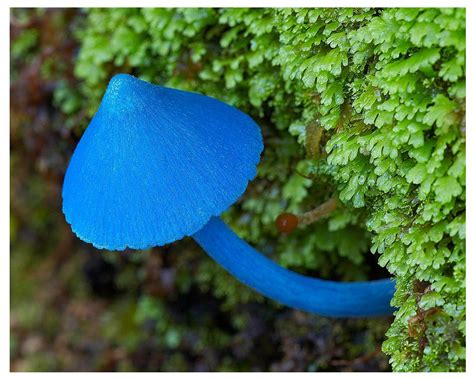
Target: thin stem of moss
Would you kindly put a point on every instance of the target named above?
(319, 212)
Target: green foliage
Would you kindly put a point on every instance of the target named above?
(365, 103)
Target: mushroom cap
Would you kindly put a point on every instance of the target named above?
(155, 164)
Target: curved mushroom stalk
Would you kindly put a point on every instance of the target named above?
(327, 298)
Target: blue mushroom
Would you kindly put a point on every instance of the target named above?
(158, 164)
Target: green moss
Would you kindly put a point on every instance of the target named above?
(368, 103)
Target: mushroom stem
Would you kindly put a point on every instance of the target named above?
(324, 297)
